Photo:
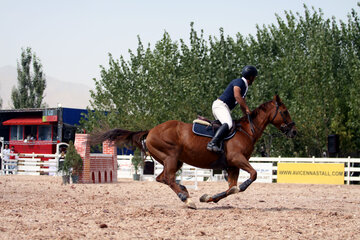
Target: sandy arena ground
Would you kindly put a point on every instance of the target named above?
(39, 207)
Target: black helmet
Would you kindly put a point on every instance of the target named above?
(249, 71)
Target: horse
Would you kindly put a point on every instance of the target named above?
(173, 143)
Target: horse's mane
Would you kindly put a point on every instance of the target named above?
(255, 112)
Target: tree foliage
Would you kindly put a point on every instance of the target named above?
(313, 63)
(72, 161)
(31, 85)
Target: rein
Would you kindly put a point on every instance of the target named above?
(239, 127)
(251, 123)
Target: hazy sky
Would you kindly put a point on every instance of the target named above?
(72, 38)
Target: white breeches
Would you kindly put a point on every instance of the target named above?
(222, 112)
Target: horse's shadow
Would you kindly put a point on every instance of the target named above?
(216, 208)
(272, 209)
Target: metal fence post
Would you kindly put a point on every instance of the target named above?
(2, 155)
(348, 173)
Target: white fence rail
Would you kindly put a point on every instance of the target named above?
(125, 168)
(31, 164)
(266, 168)
(10, 165)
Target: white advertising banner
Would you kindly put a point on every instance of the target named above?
(264, 173)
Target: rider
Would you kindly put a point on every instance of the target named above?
(234, 93)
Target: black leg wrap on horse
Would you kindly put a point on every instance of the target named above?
(218, 196)
(182, 196)
(245, 185)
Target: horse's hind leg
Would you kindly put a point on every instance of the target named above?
(182, 187)
(171, 166)
(233, 174)
(168, 157)
(161, 177)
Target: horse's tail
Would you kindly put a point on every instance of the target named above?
(120, 137)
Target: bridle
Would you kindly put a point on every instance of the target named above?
(285, 126)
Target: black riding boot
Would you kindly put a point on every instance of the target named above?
(214, 144)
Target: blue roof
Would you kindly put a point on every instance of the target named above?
(72, 116)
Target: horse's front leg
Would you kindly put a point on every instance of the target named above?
(241, 163)
(233, 174)
(253, 175)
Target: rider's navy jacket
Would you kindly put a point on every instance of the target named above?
(228, 95)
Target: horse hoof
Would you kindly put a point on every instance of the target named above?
(234, 190)
(205, 198)
(190, 204)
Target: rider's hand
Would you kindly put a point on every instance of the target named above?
(247, 111)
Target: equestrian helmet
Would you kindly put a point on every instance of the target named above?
(249, 71)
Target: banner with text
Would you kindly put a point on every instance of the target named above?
(313, 173)
(264, 173)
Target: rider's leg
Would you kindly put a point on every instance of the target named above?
(222, 113)
(214, 144)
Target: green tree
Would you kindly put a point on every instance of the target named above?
(73, 159)
(31, 85)
(311, 62)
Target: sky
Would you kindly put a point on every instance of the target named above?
(72, 38)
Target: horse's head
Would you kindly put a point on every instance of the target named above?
(281, 118)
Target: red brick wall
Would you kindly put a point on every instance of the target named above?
(108, 148)
(82, 146)
(98, 168)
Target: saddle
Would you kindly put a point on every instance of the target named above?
(207, 128)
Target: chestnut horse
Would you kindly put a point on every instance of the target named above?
(173, 143)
